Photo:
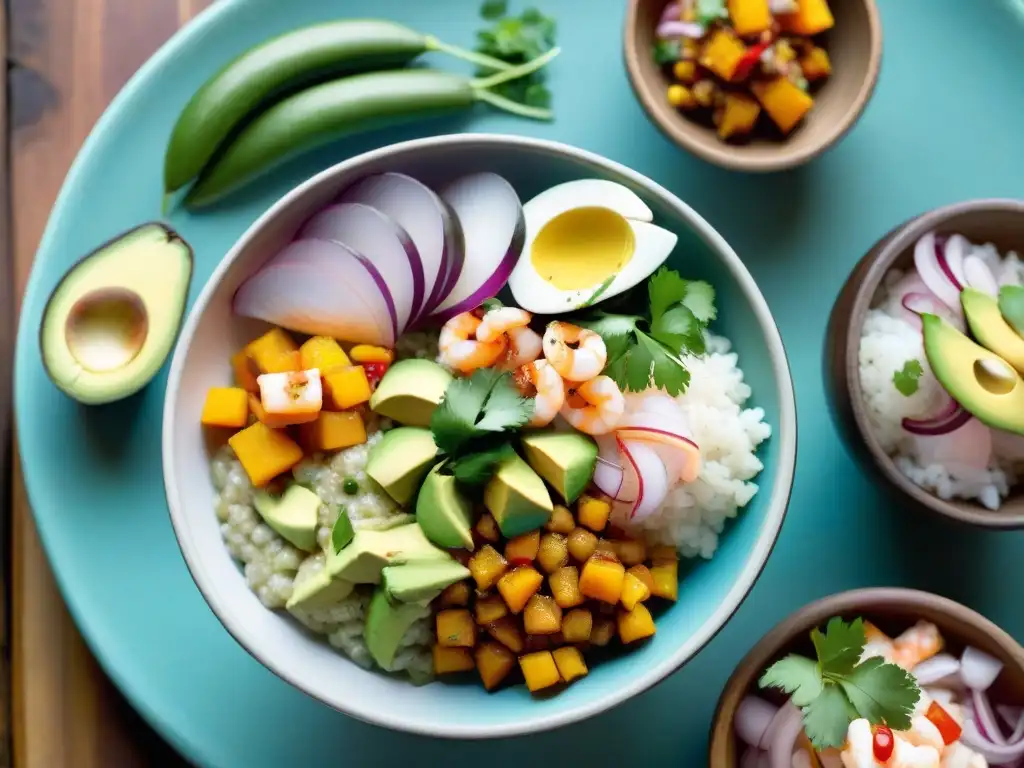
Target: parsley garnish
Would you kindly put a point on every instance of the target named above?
(839, 688)
(710, 11)
(640, 350)
(906, 379)
(517, 40)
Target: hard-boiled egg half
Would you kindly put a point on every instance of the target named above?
(586, 241)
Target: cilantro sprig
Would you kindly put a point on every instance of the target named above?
(517, 40)
(642, 349)
(473, 424)
(906, 380)
(839, 688)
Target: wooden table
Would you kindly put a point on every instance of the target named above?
(66, 61)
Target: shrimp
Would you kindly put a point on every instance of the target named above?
(578, 354)
(920, 642)
(464, 353)
(501, 320)
(595, 406)
(859, 750)
(524, 345)
(539, 380)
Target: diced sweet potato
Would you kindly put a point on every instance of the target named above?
(455, 628)
(518, 586)
(576, 625)
(487, 528)
(554, 552)
(489, 608)
(323, 353)
(633, 591)
(582, 544)
(507, 631)
(593, 512)
(226, 407)
(631, 552)
(540, 670)
(455, 595)
(722, 53)
(264, 452)
(815, 64)
(570, 663)
(450, 660)
(245, 372)
(738, 116)
(493, 661)
(750, 17)
(522, 550)
(332, 431)
(542, 616)
(666, 580)
(812, 18)
(784, 102)
(561, 520)
(643, 573)
(565, 586)
(274, 352)
(635, 624)
(346, 387)
(602, 579)
(486, 566)
(367, 353)
(603, 631)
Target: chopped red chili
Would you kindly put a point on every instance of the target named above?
(941, 719)
(749, 61)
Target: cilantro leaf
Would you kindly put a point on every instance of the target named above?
(453, 423)
(827, 718)
(840, 648)
(667, 52)
(493, 9)
(797, 676)
(639, 363)
(700, 300)
(537, 95)
(664, 289)
(489, 304)
(506, 408)
(679, 330)
(616, 330)
(477, 468)
(669, 372)
(342, 533)
(906, 379)
(710, 11)
(516, 40)
(882, 693)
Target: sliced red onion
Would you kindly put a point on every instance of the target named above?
(672, 12)
(753, 716)
(370, 233)
(754, 758)
(996, 754)
(668, 30)
(684, 453)
(491, 216)
(978, 275)
(937, 669)
(783, 735)
(1013, 717)
(951, 252)
(936, 427)
(978, 669)
(415, 208)
(934, 269)
(985, 718)
(916, 304)
(781, 717)
(609, 473)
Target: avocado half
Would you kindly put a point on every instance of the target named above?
(111, 322)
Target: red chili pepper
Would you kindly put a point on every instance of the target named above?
(941, 719)
(375, 372)
(749, 61)
(883, 743)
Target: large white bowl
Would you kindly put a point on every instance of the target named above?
(710, 591)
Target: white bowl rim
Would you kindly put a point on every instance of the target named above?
(786, 435)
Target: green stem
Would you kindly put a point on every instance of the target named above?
(507, 105)
(480, 59)
(515, 73)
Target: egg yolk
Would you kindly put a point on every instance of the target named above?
(582, 248)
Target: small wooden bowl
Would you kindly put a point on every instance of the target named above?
(892, 610)
(1000, 222)
(854, 46)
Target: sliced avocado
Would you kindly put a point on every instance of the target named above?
(294, 514)
(322, 590)
(1011, 305)
(517, 497)
(401, 460)
(565, 459)
(365, 557)
(443, 513)
(112, 320)
(981, 381)
(421, 582)
(410, 391)
(990, 327)
(386, 625)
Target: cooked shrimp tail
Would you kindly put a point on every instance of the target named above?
(524, 346)
(540, 381)
(501, 320)
(578, 354)
(595, 406)
(462, 351)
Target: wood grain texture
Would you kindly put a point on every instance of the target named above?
(68, 60)
(6, 366)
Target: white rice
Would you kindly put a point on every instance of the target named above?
(888, 341)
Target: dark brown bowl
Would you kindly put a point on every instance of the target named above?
(855, 47)
(996, 221)
(892, 610)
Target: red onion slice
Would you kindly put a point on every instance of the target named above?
(978, 669)
(978, 275)
(935, 272)
(996, 754)
(753, 717)
(963, 451)
(783, 734)
(754, 758)
(916, 304)
(936, 427)
(985, 718)
(668, 30)
(609, 472)
(686, 455)
(672, 12)
(1013, 717)
(937, 669)
(651, 477)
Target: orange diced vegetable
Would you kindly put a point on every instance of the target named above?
(576, 625)
(522, 550)
(450, 660)
(681, 97)
(666, 580)
(815, 64)
(554, 552)
(518, 586)
(633, 591)
(323, 353)
(643, 573)
(507, 632)
(635, 624)
(332, 431)
(367, 353)
(487, 528)
(346, 387)
(542, 616)
(738, 116)
(609, 549)
(245, 376)
(264, 452)
(582, 544)
(455, 595)
(602, 579)
(272, 420)
(603, 631)
(722, 53)
(489, 609)
(750, 17)
(663, 553)
(570, 663)
(631, 552)
(560, 521)
(493, 661)
(565, 586)
(455, 628)
(274, 352)
(486, 565)
(784, 102)
(539, 670)
(593, 512)
(226, 407)
(811, 18)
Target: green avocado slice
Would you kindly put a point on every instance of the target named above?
(990, 327)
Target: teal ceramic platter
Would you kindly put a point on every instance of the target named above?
(944, 125)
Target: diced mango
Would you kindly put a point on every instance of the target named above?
(367, 353)
(750, 17)
(486, 566)
(582, 544)
(542, 616)
(631, 552)
(602, 579)
(245, 375)
(487, 528)
(561, 520)
(540, 670)
(784, 102)
(323, 353)
(272, 420)
(723, 53)
(450, 660)
(565, 586)
(518, 586)
(815, 64)
(455, 628)
(811, 18)
(455, 595)
(738, 116)
(666, 580)
(274, 352)
(685, 71)
(346, 387)
(570, 663)
(489, 609)
(593, 512)
(332, 431)
(553, 552)
(635, 624)
(506, 631)
(643, 573)
(663, 553)
(603, 631)
(493, 661)
(264, 452)
(576, 625)
(633, 591)
(226, 407)
(522, 550)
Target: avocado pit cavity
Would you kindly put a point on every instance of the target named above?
(994, 375)
(106, 329)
